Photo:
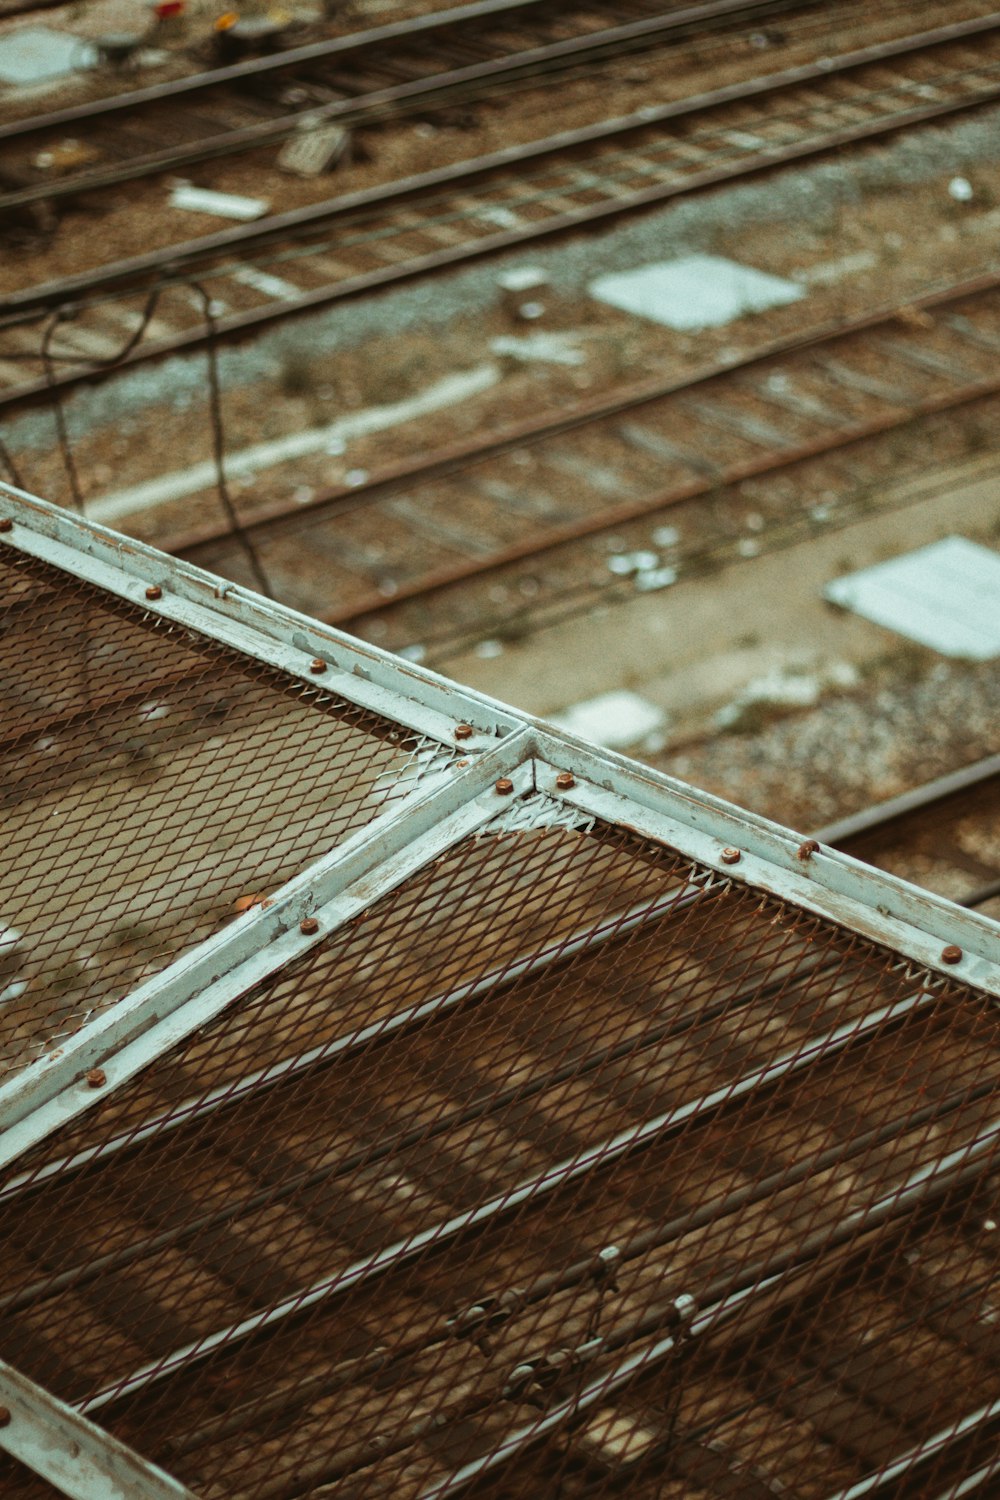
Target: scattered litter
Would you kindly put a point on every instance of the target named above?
(755, 521)
(694, 291)
(155, 709)
(316, 147)
(354, 477)
(488, 649)
(263, 281)
(531, 311)
(946, 596)
(616, 719)
(68, 156)
(504, 218)
(624, 563)
(666, 536)
(413, 653)
(546, 348)
(302, 494)
(523, 279)
(225, 205)
(656, 578)
(748, 547)
(388, 588)
(960, 188)
(34, 54)
(819, 512)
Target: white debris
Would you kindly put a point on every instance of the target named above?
(302, 494)
(625, 563)
(354, 477)
(694, 291)
(546, 348)
(157, 708)
(225, 205)
(522, 279)
(34, 54)
(656, 578)
(946, 596)
(489, 649)
(960, 188)
(666, 536)
(616, 719)
(413, 653)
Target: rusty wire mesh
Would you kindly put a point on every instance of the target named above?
(152, 781)
(568, 1169)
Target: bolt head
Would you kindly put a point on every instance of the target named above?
(309, 925)
(807, 850)
(6, 524)
(5, 1418)
(952, 954)
(565, 780)
(96, 1078)
(463, 731)
(730, 856)
(505, 786)
(154, 591)
(317, 665)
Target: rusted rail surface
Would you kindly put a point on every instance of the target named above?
(355, 553)
(944, 835)
(426, 224)
(346, 78)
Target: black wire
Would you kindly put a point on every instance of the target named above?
(218, 446)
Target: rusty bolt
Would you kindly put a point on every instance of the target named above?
(731, 856)
(952, 954)
(565, 780)
(317, 665)
(309, 925)
(4, 1416)
(463, 731)
(505, 786)
(154, 591)
(6, 524)
(96, 1078)
(807, 850)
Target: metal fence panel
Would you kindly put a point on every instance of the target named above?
(154, 784)
(571, 1167)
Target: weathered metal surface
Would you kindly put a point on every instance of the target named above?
(59, 1444)
(567, 1131)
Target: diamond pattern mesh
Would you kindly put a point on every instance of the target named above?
(568, 1169)
(152, 781)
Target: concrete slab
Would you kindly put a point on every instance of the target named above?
(946, 596)
(613, 719)
(695, 291)
(34, 54)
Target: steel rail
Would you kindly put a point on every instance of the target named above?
(451, 86)
(874, 820)
(173, 258)
(620, 515)
(379, 36)
(454, 458)
(494, 1310)
(530, 1190)
(728, 1296)
(946, 1438)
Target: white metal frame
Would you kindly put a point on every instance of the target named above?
(59, 1443)
(79, 1458)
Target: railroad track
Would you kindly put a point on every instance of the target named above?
(653, 1182)
(945, 835)
(356, 553)
(296, 262)
(442, 57)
